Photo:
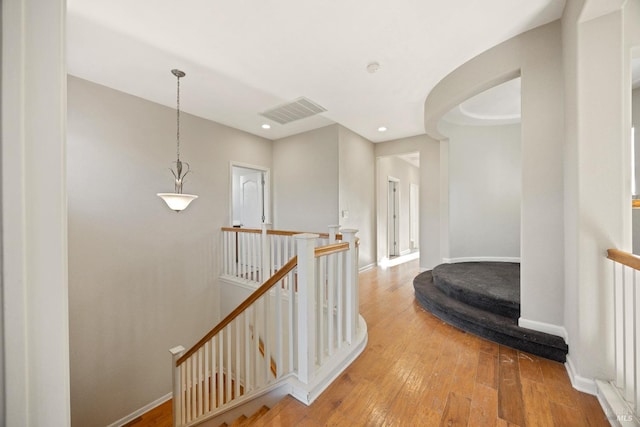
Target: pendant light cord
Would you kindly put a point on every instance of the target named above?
(178, 120)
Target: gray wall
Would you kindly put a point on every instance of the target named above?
(320, 173)
(142, 278)
(305, 180)
(356, 191)
(484, 190)
(597, 69)
(537, 56)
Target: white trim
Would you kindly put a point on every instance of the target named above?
(386, 262)
(267, 186)
(547, 328)
(480, 259)
(366, 267)
(327, 374)
(142, 411)
(617, 410)
(586, 385)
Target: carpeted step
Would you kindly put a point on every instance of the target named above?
(501, 329)
(491, 286)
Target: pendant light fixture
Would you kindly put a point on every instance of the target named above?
(177, 200)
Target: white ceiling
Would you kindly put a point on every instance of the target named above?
(243, 57)
(498, 105)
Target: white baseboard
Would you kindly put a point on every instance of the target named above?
(617, 410)
(480, 259)
(547, 328)
(586, 385)
(141, 411)
(366, 267)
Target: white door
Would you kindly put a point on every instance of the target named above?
(251, 199)
(393, 218)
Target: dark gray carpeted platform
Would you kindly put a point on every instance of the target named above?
(465, 296)
(492, 286)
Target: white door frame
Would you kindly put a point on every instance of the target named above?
(393, 220)
(266, 189)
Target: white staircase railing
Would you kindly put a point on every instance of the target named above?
(295, 323)
(253, 254)
(622, 395)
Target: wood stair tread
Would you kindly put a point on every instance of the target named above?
(239, 421)
(243, 420)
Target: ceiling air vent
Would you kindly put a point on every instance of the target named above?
(299, 109)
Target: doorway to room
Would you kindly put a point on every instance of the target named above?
(397, 192)
(249, 195)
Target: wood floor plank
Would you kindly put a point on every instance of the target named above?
(566, 416)
(484, 406)
(530, 367)
(536, 404)
(510, 404)
(487, 369)
(558, 384)
(419, 371)
(456, 412)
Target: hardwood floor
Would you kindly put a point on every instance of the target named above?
(419, 371)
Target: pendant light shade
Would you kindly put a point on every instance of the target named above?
(178, 201)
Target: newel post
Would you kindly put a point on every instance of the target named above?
(333, 231)
(266, 263)
(306, 302)
(178, 397)
(352, 295)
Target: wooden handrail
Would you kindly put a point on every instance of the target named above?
(263, 289)
(278, 232)
(630, 260)
(331, 249)
(242, 230)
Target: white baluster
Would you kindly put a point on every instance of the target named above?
(247, 352)
(351, 285)
(265, 269)
(306, 313)
(320, 285)
(228, 363)
(278, 329)
(220, 391)
(178, 397)
(331, 289)
(340, 296)
(238, 365)
(629, 359)
(292, 319)
(618, 296)
(207, 376)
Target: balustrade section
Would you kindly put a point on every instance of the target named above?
(297, 321)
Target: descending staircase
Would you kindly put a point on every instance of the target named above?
(243, 420)
(484, 299)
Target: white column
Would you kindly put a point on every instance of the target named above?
(352, 294)
(333, 230)
(176, 353)
(34, 214)
(306, 303)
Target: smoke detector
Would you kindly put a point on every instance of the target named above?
(373, 67)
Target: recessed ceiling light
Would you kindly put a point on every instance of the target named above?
(382, 129)
(266, 126)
